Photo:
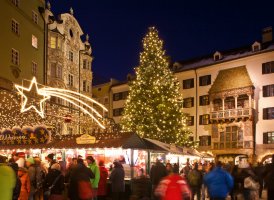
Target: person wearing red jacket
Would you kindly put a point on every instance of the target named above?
(173, 187)
(102, 185)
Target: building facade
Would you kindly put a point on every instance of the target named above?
(22, 40)
(229, 99)
(69, 66)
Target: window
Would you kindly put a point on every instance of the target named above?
(53, 42)
(15, 26)
(15, 2)
(34, 41)
(204, 100)
(85, 66)
(70, 130)
(268, 113)
(268, 137)
(71, 56)
(188, 102)
(85, 86)
(34, 17)
(120, 96)
(268, 68)
(204, 80)
(268, 90)
(70, 80)
(205, 140)
(15, 57)
(106, 100)
(204, 119)
(34, 68)
(59, 72)
(190, 120)
(188, 83)
(118, 112)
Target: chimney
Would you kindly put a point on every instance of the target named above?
(267, 34)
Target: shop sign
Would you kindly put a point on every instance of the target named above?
(85, 139)
(24, 136)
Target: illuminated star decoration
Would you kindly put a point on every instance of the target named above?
(43, 97)
(84, 103)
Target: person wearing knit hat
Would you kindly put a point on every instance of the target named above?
(30, 161)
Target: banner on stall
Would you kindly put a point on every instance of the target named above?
(24, 136)
(85, 139)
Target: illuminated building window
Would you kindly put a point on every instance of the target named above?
(15, 57)
(15, 26)
(188, 83)
(204, 80)
(204, 100)
(268, 68)
(70, 80)
(15, 2)
(34, 41)
(268, 90)
(268, 137)
(34, 68)
(188, 102)
(35, 17)
(268, 113)
(205, 140)
(53, 42)
(190, 120)
(118, 112)
(204, 119)
(71, 56)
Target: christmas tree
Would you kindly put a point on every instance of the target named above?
(154, 105)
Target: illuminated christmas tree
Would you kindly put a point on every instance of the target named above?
(154, 105)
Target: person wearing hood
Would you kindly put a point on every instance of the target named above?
(7, 180)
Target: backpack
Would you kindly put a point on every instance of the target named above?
(194, 178)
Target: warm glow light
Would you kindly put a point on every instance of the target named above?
(67, 95)
(21, 90)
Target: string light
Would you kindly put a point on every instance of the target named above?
(153, 108)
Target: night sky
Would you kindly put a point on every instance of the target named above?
(189, 28)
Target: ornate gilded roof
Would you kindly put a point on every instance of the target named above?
(229, 79)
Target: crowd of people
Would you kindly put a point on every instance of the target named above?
(83, 179)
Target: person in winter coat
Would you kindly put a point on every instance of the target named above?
(17, 188)
(219, 182)
(117, 181)
(95, 170)
(79, 181)
(30, 163)
(56, 176)
(268, 175)
(173, 187)
(102, 185)
(7, 180)
(195, 180)
(140, 186)
(25, 183)
(157, 172)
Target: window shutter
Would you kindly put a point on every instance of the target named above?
(209, 140)
(192, 120)
(265, 138)
(264, 91)
(192, 101)
(209, 79)
(200, 119)
(200, 100)
(200, 81)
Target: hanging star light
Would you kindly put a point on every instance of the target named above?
(42, 96)
(78, 100)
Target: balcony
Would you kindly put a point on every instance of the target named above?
(231, 114)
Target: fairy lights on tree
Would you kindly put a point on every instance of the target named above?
(154, 105)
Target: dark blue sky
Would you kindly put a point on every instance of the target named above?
(189, 28)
